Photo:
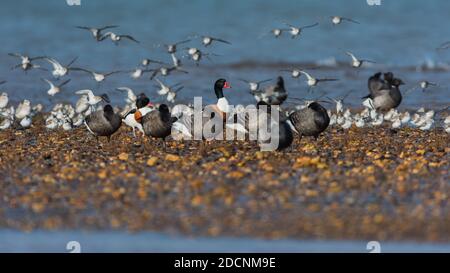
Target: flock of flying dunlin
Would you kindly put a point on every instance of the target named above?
(159, 121)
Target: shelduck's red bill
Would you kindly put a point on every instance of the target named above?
(226, 85)
(150, 104)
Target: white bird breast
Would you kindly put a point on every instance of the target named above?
(137, 73)
(99, 77)
(3, 100)
(196, 56)
(295, 31)
(192, 51)
(206, 40)
(163, 91)
(171, 96)
(6, 123)
(25, 122)
(53, 91)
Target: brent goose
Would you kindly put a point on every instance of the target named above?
(158, 123)
(310, 121)
(384, 94)
(103, 122)
(284, 136)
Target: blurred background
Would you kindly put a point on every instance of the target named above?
(401, 36)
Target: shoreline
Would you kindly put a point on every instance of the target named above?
(349, 185)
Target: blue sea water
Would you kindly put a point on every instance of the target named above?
(149, 242)
(399, 35)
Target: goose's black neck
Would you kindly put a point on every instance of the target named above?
(108, 112)
(280, 82)
(164, 113)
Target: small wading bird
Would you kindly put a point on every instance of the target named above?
(131, 97)
(172, 95)
(55, 89)
(116, 38)
(23, 109)
(443, 46)
(296, 31)
(146, 62)
(97, 76)
(196, 55)
(295, 72)
(172, 48)
(336, 20)
(138, 72)
(165, 71)
(60, 70)
(278, 31)
(208, 40)
(93, 100)
(175, 61)
(424, 85)
(96, 32)
(254, 86)
(26, 62)
(313, 82)
(357, 63)
(165, 89)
